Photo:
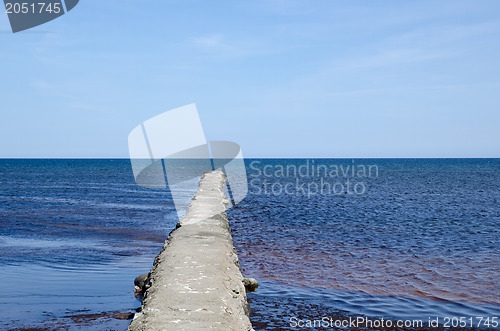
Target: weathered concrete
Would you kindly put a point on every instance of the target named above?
(195, 282)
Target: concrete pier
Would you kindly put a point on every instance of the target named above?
(196, 283)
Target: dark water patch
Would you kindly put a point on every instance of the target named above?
(425, 231)
(279, 307)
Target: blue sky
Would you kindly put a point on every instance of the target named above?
(283, 78)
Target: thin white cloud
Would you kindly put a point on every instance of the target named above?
(45, 88)
(221, 45)
(444, 35)
(287, 7)
(449, 87)
(88, 107)
(387, 58)
(215, 40)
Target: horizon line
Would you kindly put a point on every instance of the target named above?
(254, 157)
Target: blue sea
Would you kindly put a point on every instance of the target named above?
(336, 239)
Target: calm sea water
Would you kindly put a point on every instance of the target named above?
(399, 239)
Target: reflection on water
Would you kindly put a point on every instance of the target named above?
(73, 236)
(275, 303)
(42, 295)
